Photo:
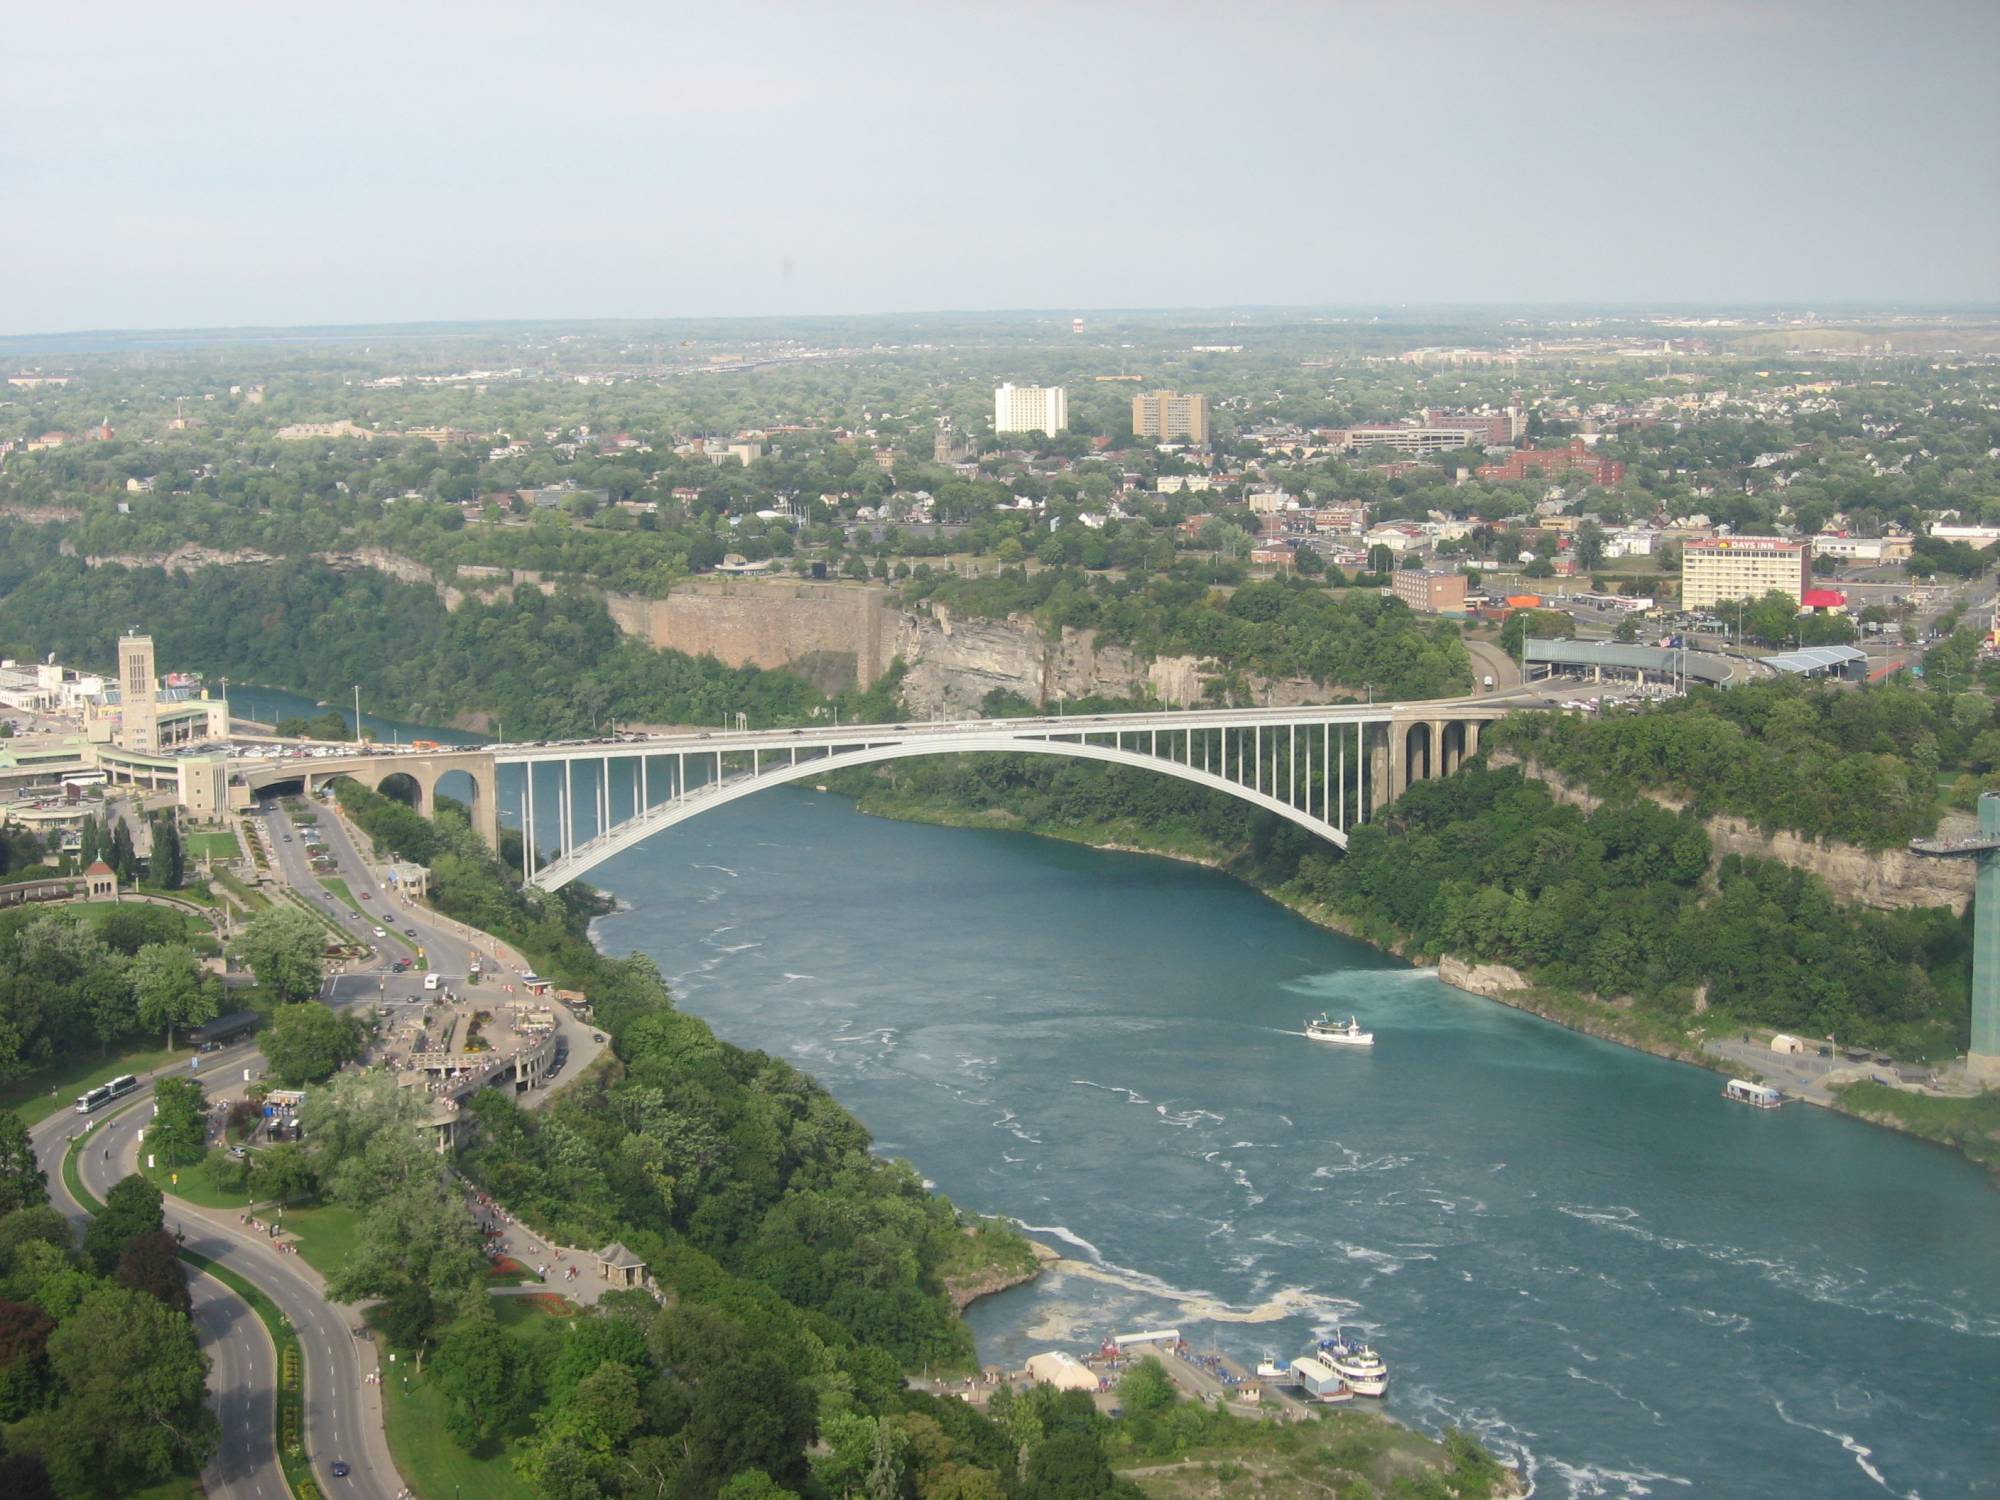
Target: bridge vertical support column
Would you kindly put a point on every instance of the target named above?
(1378, 768)
(1436, 767)
(486, 804)
(1472, 728)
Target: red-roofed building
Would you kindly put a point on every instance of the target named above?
(1823, 599)
(1577, 458)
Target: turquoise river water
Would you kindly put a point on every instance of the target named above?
(1617, 1279)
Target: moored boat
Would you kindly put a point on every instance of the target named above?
(1756, 1095)
(1359, 1367)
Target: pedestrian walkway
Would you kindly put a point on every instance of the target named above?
(559, 1268)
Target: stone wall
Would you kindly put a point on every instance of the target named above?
(1889, 879)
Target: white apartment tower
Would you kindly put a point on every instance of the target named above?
(1031, 408)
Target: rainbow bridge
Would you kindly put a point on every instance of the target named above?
(1327, 769)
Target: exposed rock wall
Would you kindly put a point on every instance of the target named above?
(1889, 879)
(769, 623)
(954, 663)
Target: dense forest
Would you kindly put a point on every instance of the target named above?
(544, 666)
(1864, 766)
(79, 982)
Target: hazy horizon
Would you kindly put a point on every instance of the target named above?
(219, 166)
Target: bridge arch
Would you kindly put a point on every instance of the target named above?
(664, 815)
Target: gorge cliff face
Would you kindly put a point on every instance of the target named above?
(954, 663)
(837, 634)
(1889, 879)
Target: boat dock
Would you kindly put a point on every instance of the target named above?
(1213, 1378)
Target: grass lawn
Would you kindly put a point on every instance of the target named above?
(217, 846)
(415, 1413)
(30, 1096)
(193, 1186)
(327, 1234)
(340, 889)
(251, 901)
(181, 1487)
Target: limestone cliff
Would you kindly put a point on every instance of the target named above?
(954, 663)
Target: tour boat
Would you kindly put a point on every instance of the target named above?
(1359, 1367)
(1756, 1095)
(1271, 1368)
(1326, 1029)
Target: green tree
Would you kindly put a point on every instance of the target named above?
(135, 1409)
(131, 1208)
(1146, 1387)
(1589, 545)
(170, 988)
(167, 865)
(485, 1377)
(281, 946)
(419, 1236)
(178, 1132)
(23, 1183)
(283, 1173)
(306, 1043)
(151, 1263)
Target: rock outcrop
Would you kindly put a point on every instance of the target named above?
(1888, 879)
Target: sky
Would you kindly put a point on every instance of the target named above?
(204, 164)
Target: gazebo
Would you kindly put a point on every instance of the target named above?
(620, 1266)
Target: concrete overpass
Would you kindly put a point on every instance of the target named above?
(1326, 768)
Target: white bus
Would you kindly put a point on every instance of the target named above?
(432, 981)
(104, 1093)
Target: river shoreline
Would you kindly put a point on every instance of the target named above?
(1495, 982)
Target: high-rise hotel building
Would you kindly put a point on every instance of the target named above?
(1723, 569)
(1031, 408)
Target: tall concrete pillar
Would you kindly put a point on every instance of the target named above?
(1399, 758)
(1472, 727)
(486, 804)
(1983, 1057)
(1436, 768)
(1380, 786)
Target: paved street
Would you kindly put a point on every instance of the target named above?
(244, 1377)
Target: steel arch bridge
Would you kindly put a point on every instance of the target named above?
(1326, 769)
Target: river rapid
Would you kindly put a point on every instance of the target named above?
(1617, 1279)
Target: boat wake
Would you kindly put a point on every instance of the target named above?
(1861, 1451)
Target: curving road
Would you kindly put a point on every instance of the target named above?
(343, 1416)
(243, 1375)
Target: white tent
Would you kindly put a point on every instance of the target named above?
(1063, 1371)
